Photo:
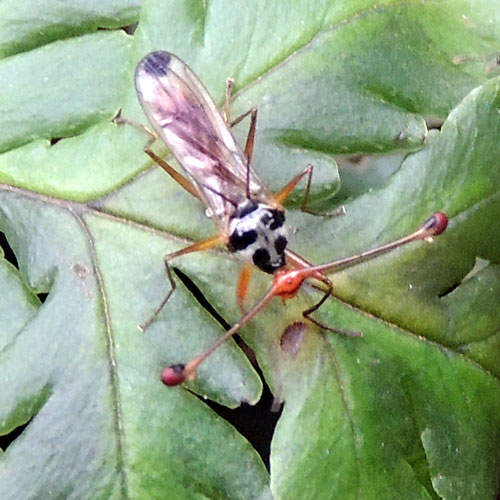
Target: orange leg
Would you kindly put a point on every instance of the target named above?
(249, 145)
(178, 177)
(226, 113)
(249, 142)
(251, 131)
(283, 194)
(226, 110)
(243, 285)
(196, 247)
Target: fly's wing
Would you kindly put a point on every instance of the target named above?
(185, 117)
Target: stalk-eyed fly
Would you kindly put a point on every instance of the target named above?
(250, 220)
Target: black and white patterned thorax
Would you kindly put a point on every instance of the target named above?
(257, 233)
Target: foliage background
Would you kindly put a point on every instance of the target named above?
(408, 411)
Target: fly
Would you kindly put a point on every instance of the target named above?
(250, 220)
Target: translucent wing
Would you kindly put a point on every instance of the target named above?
(185, 117)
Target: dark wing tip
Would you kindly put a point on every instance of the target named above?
(155, 63)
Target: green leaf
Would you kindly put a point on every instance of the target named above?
(409, 410)
(24, 26)
(61, 89)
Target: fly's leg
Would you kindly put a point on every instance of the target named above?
(283, 194)
(226, 110)
(251, 130)
(190, 188)
(245, 275)
(196, 247)
(243, 286)
(307, 314)
(249, 142)
(144, 326)
(122, 120)
(176, 176)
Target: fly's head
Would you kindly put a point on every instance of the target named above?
(257, 232)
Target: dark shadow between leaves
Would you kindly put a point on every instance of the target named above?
(10, 256)
(433, 123)
(449, 290)
(256, 423)
(479, 265)
(8, 439)
(22, 416)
